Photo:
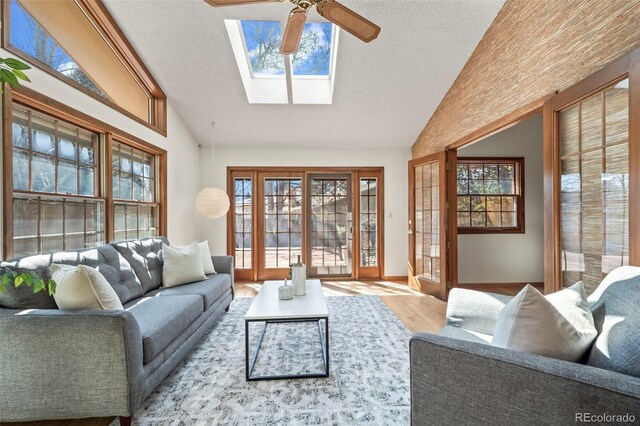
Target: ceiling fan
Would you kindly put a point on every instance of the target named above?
(331, 10)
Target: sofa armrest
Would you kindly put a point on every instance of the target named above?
(458, 382)
(59, 364)
(224, 265)
(475, 310)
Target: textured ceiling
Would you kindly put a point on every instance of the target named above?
(385, 91)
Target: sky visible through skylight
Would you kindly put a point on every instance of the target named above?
(263, 38)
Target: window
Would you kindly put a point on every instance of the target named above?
(133, 186)
(490, 195)
(256, 46)
(101, 63)
(594, 144)
(243, 202)
(368, 222)
(427, 221)
(56, 203)
(55, 195)
(30, 37)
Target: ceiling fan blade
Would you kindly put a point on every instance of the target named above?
(348, 20)
(293, 31)
(218, 3)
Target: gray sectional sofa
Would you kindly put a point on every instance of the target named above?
(62, 364)
(458, 378)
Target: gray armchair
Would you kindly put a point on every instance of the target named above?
(457, 377)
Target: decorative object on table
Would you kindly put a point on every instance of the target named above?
(285, 292)
(299, 278)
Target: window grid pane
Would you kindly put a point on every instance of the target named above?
(427, 216)
(43, 224)
(283, 216)
(243, 203)
(132, 172)
(488, 194)
(51, 156)
(368, 222)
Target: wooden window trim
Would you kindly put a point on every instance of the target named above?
(520, 187)
(104, 23)
(34, 100)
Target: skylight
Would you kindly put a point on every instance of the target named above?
(269, 77)
(262, 47)
(313, 57)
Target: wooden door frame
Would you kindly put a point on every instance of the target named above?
(426, 286)
(627, 66)
(356, 172)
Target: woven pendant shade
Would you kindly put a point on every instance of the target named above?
(212, 202)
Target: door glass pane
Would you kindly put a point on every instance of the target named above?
(368, 222)
(283, 212)
(427, 212)
(243, 191)
(595, 186)
(330, 203)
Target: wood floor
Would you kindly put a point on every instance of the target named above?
(417, 311)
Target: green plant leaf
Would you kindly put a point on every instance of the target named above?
(6, 75)
(28, 279)
(21, 75)
(16, 64)
(5, 279)
(39, 286)
(52, 287)
(18, 281)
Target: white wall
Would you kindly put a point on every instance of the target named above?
(182, 149)
(505, 258)
(394, 162)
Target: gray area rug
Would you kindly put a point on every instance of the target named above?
(368, 382)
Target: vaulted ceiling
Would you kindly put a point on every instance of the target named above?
(384, 94)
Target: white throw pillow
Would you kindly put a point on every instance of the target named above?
(83, 287)
(205, 257)
(559, 325)
(181, 266)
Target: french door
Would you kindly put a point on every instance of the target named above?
(428, 225)
(331, 218)
(592, 176)
(330, 225)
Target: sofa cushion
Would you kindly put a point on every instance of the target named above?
(463, 334)
(105, 259)
(614, 305)
(210, 290)
(163, 319)
(83, 287)
(559, 325)
(143, 257)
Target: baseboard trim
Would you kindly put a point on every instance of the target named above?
(396, 278)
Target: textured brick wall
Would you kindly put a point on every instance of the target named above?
(533, 48)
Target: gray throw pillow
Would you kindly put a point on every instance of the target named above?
(23, 297)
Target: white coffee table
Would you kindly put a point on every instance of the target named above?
(267, 308)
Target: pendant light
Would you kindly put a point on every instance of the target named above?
(212, 202)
